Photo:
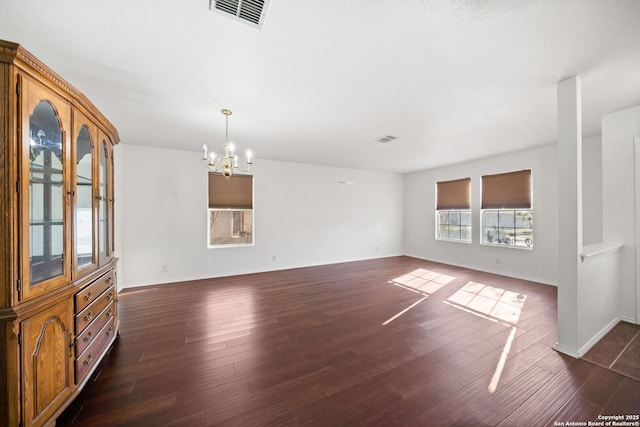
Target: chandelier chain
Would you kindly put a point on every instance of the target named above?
(227, 165)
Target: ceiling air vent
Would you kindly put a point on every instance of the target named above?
(250, 12)
(386, 138)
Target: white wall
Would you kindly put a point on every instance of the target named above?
(303, 217)
(598, 299)
(596, 291)
(591, 190)
(618, 175)
(605, 290)
(539, 264)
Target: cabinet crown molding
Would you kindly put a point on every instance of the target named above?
(14, 53)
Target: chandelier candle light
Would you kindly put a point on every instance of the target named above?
(227, 165)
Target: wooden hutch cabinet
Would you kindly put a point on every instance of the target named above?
(58, 312)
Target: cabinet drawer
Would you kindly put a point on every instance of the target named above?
(94, 352)
(92, 311)
(91, 331)
(91, 292)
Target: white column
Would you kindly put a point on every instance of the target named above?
(570, 212)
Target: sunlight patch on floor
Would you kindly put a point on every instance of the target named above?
(496, 305)
(391, 319)
(425, 281)
(420, 281)
(493, 385)
(489, 301)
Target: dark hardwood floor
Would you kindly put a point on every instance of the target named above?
(389, 342)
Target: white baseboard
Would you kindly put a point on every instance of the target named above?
(597, 337)
(567, 351)
(629, 320)
(592, 341)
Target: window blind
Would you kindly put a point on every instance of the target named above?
(236, 193)
(511, 190)
(454, 194)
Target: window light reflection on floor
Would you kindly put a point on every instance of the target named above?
(487, 302)
(494, 304)
(420, 281)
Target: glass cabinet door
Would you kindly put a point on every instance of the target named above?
(46, 210)
(43, 193)
(103, 197)
(84, 206)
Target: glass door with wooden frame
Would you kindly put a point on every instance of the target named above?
(44, 197)
(103, 197)
(85, 230)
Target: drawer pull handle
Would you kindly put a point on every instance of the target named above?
(109, 313)
(88, 316)
(87, 337)
(110, 331)
(88, 360)
(87, 297)
(110, 296)
(108, 281)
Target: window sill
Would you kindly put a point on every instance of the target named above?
(440, 239)
(230, 245)
(501, 245)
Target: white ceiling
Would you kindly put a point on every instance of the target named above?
(454, 80)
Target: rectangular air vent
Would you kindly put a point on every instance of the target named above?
(250, 12)
(386, 138)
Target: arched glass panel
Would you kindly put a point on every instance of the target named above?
(102, 199)
(46, 195)
(84, 198)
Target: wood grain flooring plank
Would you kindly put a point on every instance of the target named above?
(500, 404)
(126, 413)
(555, 362)
(191, 420)
(551, 397)
(601, 385)
(576, 410)
(454, 407)
(470, 420)
(517, 363)
(312, 346)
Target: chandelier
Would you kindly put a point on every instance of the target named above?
(227, 165)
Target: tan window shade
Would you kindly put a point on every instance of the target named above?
(454, 194)
(510, 190)
(236, 193)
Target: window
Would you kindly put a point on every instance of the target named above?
(453, 210)
(230, 211)
(507, 217)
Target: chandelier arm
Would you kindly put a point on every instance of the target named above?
(213, 167)
(228, 164)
